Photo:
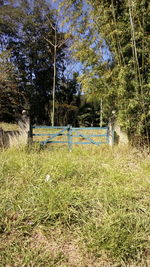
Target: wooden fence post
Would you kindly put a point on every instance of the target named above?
(111, 129)
(111, 135)
(30, 135)
(70, 137)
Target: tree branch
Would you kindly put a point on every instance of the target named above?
(49, 41)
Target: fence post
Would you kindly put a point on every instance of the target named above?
(30, 135)
(111, 135)
(107, 135)
(111, 129)
(69, 137)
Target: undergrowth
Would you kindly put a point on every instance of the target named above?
(88, 208)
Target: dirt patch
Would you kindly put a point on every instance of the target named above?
(74, 254)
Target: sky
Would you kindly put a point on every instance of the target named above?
(54, 4)
(78, 66)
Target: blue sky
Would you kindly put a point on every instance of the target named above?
(53, 4)
(77, 66)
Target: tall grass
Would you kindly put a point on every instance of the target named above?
(86, 208)
(15, 140)
(9, 126)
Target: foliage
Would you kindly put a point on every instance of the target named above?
(28, 30)
(111, 40)
(11, 98)
(88, 114)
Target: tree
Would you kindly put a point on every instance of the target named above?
(59, 41)
(11, 98)
(31, 54)
(32, 34)
(111, 41)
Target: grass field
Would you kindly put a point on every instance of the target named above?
(87, 208)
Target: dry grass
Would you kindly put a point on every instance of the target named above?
(18, 139)
(9, 126)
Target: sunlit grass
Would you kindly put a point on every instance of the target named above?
(89, 207)
(9, 126)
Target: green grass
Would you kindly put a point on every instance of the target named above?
(92, 210)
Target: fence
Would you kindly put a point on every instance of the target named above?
(73, 136)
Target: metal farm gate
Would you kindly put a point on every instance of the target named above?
(69, 135)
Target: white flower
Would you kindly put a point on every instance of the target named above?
(47, 178)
